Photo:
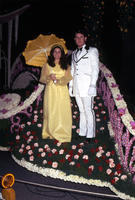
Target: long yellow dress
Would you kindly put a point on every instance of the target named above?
(57, 116)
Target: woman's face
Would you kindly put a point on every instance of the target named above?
(57, 53)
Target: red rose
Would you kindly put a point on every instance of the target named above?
(118, 166)
(107, 161)
(104, 117)
(71, 152)
(56, 141)
(78, 165)
(89, 171)
(85, 160)
(97, 160)
(119, 171)
(33, 132)
(103, 157)
(49, 154)
(97, 149)
(49, 162)
(100, 168)
(69, 159)
(39, 155)
(112, 174)
(112, 152)
(56, 153)
(62, 160)
(96, 141)
(92, 150)
(113, 181)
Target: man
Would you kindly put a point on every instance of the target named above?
(84, 69)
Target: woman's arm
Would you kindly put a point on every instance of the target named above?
(44, 77)
(66, 78)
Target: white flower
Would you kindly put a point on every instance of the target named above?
(28, 133)
(108, 153)
(98, 119)
(111, 165)
(39, 125)
(22, 146)
(20, 150)
(54, 164)
(108, 171)
(85, 157)
(59, 144)
(80, 150)
(46, 146)
(91, 167)
(29, 123)
(28, 147)
(35, 111)
(123, 177)
(116, 179)
(73, 126)
(98, 154)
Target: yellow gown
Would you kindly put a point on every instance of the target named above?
(57, 116)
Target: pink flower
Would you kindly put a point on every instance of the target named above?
(41, 111)
(48, 149)
(46, 146)
(20, 150)
(76, 157)
(29, 123)
(31, 158)
(97, 115)
(119, 97)
(73, 146)
(67, 156)
(35, 111)
(36, 144)
(40, 149)
(100, 148)
(98, 154)
(72, 163)
(22, 146)
(80, 150)
(111, 165)
(108, 171)
(44, 162)
(54, 164)
(75, 112)
(43, 154)
(98, 119)
(31, 137)
(114, 85)
(108, 153)
(28, 147)
(111, 160)
(54, 150)
(123, 177)
(61, 151)
(95, 108)
(103, 112)
(74, 116)
(91, 167)
(85, 157)
(28, 133)
(58, 144)
(39, 125)
(17, 137)
(35, 116)
(30, 152)
(116, 179)
(100, 104)
(81, 144)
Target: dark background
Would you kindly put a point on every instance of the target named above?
(62, 17)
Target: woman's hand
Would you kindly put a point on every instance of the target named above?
(53, 77)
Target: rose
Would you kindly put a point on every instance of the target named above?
(54, 164)
(28, 147)
(58, 144)
(85, 157)
(54, 150)
(108, 171)
(73, 146)
(73, 127)
(40, 150)
(98, 119)
(61, 151)
(95, 108)
(76, 157)
(72, 163)
(91, 167)
(39, 125)
(118, 166)
(78, 165)
(67, 156)
(102, 128)
(98, 154)
(100, 148)
(111, 160)
(116, 179)
(80, 150)
(17, 137)
(31, 158)
(81, 144)
(36, 144)
(30, 152)
(108, 153)
(44, 162)
(100, 168)
(22, 125)
(20, 150)
(78, 130)
(123, 177)
(111, 165)
(46, 146)
(43, 154)
(28, 123)
(35, 116)
(74, 116)
(22, 146)
(28, 133)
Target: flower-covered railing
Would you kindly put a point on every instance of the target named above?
(121, 125)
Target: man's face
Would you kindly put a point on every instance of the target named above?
(80, 39)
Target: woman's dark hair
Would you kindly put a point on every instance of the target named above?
(63, 60)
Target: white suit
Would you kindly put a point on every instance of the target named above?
(85, 69)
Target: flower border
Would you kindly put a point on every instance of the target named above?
(26, 103)
(126, 117)
(72, 178)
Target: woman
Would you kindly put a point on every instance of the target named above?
(57, 123)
